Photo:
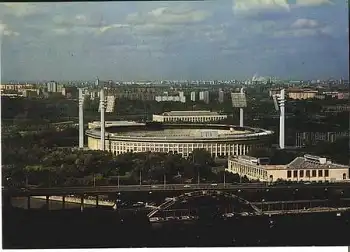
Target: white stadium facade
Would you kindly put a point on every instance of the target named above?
(220, 140)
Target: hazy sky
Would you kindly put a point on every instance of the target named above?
(174, 40)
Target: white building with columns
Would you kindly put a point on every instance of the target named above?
(306, 168)
(189, 116)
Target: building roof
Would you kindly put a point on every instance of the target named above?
(190, 113)
(301, 90)
(305, 162)
(310, 163)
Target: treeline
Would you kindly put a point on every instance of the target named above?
(48, 158)
(53, 109)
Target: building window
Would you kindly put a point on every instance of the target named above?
(289, 174)
(320, 173)
(344, 176)
(313, 173)
(326, 173)
(308, 174)
(295, 174)
(301, 173)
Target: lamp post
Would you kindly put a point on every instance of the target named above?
(198, 176)
(262, 205)
(26, 179)
(140, 176)
(224, 178)
(118, 176)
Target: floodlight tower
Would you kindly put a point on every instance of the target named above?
(81, 118)
(279, 102)
(239, 100)
(102, 106)
(241, 111)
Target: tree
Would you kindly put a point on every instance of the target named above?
(202, 157)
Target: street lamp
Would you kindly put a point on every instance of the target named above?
(198, 177)
(140, 176)
(224, 178)
(118, 176)
(262, 205)
(26, 179)
(164, 179)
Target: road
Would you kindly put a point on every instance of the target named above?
(59, 191)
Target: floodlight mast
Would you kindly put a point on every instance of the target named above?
(282, 117)
(81, 118)
(241, 111)
(279, 102)
(102, 105)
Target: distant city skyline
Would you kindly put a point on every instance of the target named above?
(204, 40)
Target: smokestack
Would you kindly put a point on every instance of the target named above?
(241, 112)
(102, 102)
(282, 117)
(81, 118)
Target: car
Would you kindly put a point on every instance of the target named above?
(214, 184)
(154, 186)
(187, 186)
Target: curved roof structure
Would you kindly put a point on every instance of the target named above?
(180, 132)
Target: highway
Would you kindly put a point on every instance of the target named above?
(59, 191)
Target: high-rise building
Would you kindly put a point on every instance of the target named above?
(201, 95)
(52, 87)
(110, 103)
(206, 97)
(221, 96)
(193, 96)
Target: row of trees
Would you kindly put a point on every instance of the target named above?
(39, 165)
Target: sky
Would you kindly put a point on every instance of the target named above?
(180, 40)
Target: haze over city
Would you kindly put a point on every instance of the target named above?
(301, 39)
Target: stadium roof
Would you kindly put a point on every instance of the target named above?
(191, 113)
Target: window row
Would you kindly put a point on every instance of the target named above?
(307, 173)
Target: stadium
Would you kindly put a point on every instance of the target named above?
(219, 140)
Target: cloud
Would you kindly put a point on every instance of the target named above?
(4, 30)
(305, 3)
(303, 23)
(270, 9)
(60, 31)
(20, 9)
(112, 26)
(81, 17)
(249, 8)
(166, 15)
(159, 21)
(77, 21)
(304, 28)
(79, 24)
